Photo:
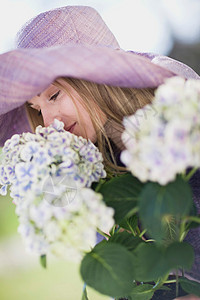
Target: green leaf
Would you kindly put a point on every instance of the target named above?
(152, 262)
(158, 204)
(108, 268)
(129, 223)
(142, 292)
(122, 193)
(126, 239)
(180, 255)
(43, 261)
(171, 230)
(190, 286)
(84, 295)
(149, 262)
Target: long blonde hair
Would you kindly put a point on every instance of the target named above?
(114, 102)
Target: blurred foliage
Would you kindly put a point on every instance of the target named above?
(8, 219)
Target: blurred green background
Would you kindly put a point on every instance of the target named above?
(21, 275)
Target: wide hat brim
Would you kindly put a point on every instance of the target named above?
(26, 72)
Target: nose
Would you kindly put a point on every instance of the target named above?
(48, 117)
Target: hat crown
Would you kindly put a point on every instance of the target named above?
(69, 24)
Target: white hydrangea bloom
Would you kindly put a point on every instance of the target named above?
(49, 174)
(166, 143)
(52, 150)
(65, 231)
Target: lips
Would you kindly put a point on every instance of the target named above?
(70, 128)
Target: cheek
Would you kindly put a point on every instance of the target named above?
(84, 126)
(89, 128)
(92, 134)
(66, 108)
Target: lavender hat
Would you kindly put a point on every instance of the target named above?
(71, 41)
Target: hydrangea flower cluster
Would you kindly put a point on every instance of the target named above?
(49, 174)
(166, 140)
(68, 231)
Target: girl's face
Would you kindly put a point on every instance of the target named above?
(55, 103)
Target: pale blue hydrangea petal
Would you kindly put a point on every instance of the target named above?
(3, 190)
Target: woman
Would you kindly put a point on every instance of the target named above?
(91, 110)
(69, 66)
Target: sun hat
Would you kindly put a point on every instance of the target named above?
(71, 41)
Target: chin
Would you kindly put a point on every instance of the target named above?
(93, 139)
(92, 136)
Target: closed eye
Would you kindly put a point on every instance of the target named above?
(54, 96)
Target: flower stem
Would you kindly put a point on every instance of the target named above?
(131, 229)
(189, 175)
(182, 230)
(103, 233)
(170, 281)
(160, 282)
(150, 240)
(138, 230)
(112, 231)
(194, 219)
(101, 182)
(142, 233)
(177, 283)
